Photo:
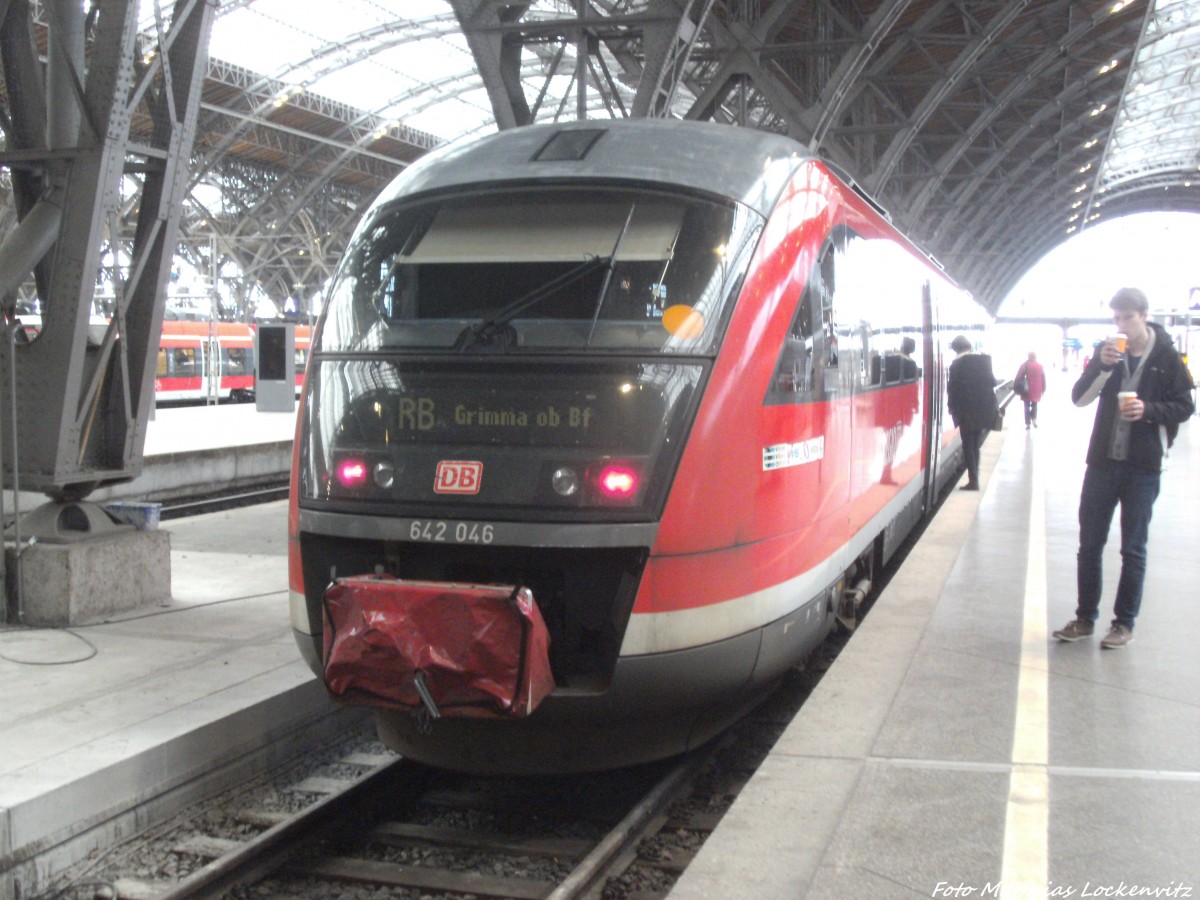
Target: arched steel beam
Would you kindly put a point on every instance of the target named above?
(1153, 194)
(941, 89)
(1050, 60)
(853, 63)
(1023, 182)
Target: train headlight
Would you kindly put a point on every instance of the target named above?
(565, 481)
(351, 473)
(384, 474)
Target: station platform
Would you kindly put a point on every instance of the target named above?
(230, 445)
(196, 428)
(190, 448)
(105, 728)
(955, 749)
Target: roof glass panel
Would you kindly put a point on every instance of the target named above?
(403, 61)
(1158, 126)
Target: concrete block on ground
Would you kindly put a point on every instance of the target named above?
(83, 581)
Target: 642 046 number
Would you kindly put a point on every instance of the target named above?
(443, 532)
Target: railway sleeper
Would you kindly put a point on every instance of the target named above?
(365, 871)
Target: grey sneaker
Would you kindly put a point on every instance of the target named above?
(1117, 637)
(1075, 630)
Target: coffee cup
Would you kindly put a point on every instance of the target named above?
(1119, 341)
(1124, 398)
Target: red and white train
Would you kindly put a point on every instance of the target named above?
(199, 360)
(681, 381)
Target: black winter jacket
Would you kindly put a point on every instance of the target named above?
(1165, 389)
(971, 392)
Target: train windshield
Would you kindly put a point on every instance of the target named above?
(542, 269)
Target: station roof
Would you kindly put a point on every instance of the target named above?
(991, 130)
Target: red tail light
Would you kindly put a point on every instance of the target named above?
(352, 473)
(618, 482)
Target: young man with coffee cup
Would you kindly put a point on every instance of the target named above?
(1144, 393)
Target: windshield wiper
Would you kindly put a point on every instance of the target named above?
(612, 264)
(491, 331)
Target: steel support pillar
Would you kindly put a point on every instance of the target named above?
(112, 115)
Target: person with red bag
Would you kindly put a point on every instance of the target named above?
(1030, 384)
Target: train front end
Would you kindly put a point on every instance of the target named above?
(500, 391)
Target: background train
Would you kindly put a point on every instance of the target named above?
(199, 360)
(680, 380)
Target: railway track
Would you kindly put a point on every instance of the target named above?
(401, 827)
(511, 843)
(359, 821)
(194, 506)
(363, 817)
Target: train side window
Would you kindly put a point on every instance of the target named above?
(909, 370)
(185, 365)
(809, 346)
(160, 366)
(826, 287)
(893, 365)
(236, 360)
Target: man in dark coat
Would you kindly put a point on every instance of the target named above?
(1144, 395)
(971, 400)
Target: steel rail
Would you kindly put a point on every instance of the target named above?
(266, 853)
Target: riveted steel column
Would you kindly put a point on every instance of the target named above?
(83, 398)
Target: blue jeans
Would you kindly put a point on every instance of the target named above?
(1103, 488)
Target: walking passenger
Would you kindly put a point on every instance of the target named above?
(971, 400)
(1030, 384)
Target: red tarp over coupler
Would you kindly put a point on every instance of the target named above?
(452, 649)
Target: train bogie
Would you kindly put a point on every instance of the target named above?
(679, 380)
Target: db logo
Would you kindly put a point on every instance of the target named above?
(456, 477)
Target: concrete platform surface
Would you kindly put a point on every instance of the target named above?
(105, 726)
(955, 749)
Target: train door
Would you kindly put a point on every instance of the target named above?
(935, 386)
(212, 366)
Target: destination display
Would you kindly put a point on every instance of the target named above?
(617, 409)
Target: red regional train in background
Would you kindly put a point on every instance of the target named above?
(201, 360)
(680, 383)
